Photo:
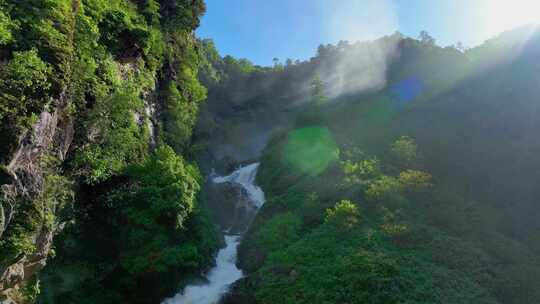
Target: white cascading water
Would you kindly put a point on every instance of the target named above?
(220, 278)
(245, 176)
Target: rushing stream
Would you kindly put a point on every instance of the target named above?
(220, 278)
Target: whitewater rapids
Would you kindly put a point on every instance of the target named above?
(225, 272)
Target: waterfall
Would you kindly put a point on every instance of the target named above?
(245, 176)
(225, 272)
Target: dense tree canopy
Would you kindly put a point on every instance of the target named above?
(395, 170)
(108, 81)
(436, 217)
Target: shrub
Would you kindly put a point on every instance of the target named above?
(414, 181)
(116, 138)
(405, 151)
(281, 230)
(345, 215)
(360, 173)
(6, 25)
(160, 201)
(386, 188)
(24, 85)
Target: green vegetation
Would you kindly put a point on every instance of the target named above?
(310, 150)
(280, 230)
(404, 150)
(24, 77)
(164, 191)
(38, 216)
(429, 196)
(120, 82)
(150, 226)
(420, 189)
(317, 91)
(344, 215)
(120, 140)
(374, 250)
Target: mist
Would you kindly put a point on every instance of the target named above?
(359, 68)
(364, 66)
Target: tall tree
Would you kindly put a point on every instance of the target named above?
(426, 38)
(317, 91)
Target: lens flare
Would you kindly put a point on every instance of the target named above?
(311, 150)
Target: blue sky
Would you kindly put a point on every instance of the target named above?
(261, 30)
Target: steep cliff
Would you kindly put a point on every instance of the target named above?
(30, 198)
(88, 90)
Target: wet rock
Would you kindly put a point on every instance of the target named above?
(241, 292)
(222, 202)
(227, 164)
(231, 206)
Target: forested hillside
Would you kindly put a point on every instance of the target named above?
(391, 171)
(97, 103)
(417, 187)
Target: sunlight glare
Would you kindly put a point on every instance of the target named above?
(506, 15)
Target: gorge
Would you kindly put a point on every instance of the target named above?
(396, 169)
(225, 272)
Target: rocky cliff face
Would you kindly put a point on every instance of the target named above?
(88, 89)
(51, 135)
